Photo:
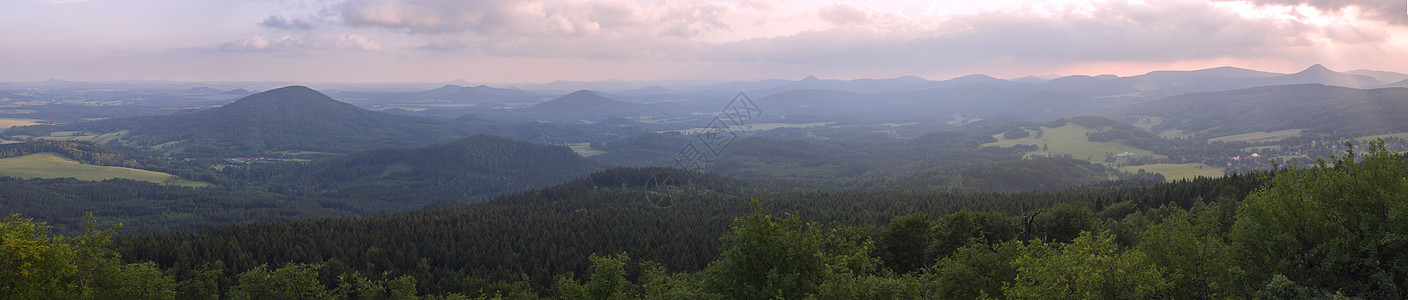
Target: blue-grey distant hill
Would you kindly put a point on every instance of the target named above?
(288, 118)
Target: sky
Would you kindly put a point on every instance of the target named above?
(511, 41)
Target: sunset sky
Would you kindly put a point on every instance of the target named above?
(507, 41)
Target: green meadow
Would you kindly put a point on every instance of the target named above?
(1259, 136)
(1070, 139)
(1174, 172)
(50, 165)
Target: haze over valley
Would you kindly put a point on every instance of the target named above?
(373, 149)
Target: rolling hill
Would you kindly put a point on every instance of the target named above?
(288, 118)
(583, 102)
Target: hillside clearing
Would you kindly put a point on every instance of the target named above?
(50, 165)
(585, 149)
(1071, 139)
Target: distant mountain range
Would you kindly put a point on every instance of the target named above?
(1317, 108)
(289, 118)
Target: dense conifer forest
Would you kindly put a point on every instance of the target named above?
(1326, 231)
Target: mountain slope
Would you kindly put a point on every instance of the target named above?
(289, 118)
(1322, 75)
(1318, 108)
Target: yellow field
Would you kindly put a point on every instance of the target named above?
(1070, 139)
(1260, 136)
(1174, 172)
(50, 165)
(7, 123)
(585, 149)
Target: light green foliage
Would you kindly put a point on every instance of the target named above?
(1090, 267)
(206, 282)
(870, 286)
(608, 280)
(293, 281)
(1063, 222)
(979, 270)
(764, 259)
(656, 283)
(1193, 255)
(34, 265)
(402, 288)
(1282, 288)
(354, 285)
(1342, 228)
(964, 227)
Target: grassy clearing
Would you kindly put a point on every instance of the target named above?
(50, 165)
(1070, 139)
(84, 136)
(1174, 172)
(585, 149)
(1259, 136)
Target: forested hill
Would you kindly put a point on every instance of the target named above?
(546, 233)
(288, 118)
(469, 170)
(1317, 108)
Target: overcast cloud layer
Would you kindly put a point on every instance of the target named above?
(495, 41)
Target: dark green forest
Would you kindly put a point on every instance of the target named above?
(1330, 230)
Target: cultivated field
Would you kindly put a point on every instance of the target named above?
(1260, 136)
(1174, 172)
(7, 123)
(50, 165)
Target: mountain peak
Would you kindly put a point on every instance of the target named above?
(1317, 68)
(582, 94)
(810, 78)
(288, 99)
